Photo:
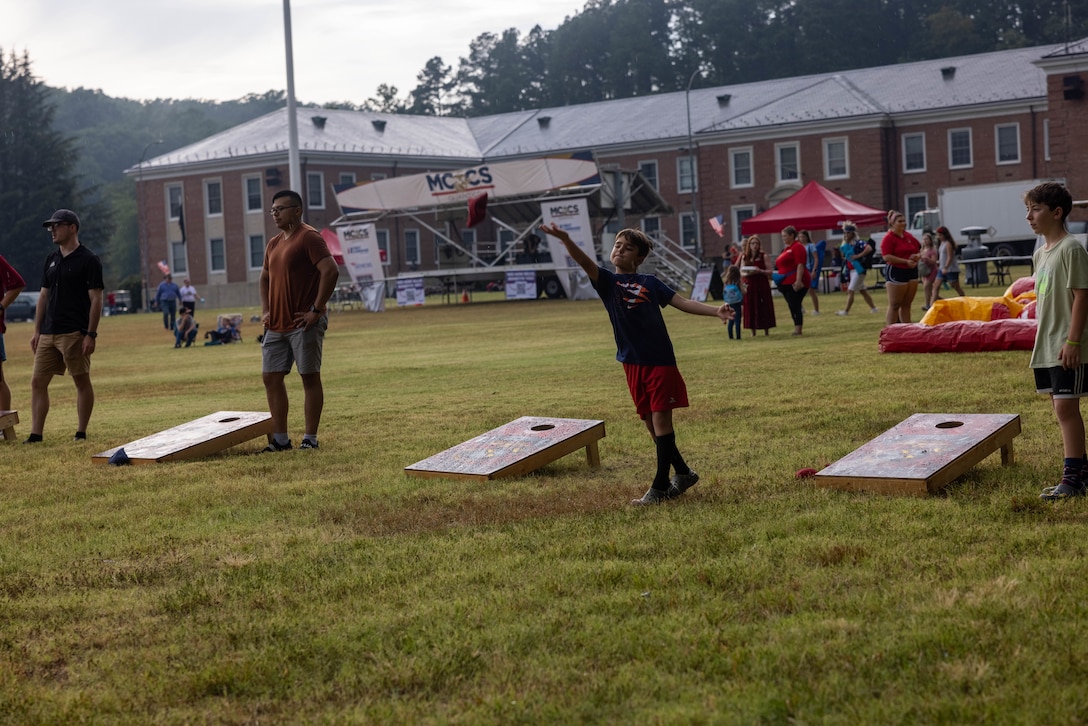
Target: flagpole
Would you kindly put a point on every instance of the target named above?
(294, 167)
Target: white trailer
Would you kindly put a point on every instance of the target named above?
(997, 208)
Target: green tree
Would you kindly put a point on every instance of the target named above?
(37, 173)
(432, 97)
(386, 100)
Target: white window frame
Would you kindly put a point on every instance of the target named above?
(970, 149)
(347, 177)
(651, 226)
(1046, 139)
(170, 189)
(921, 136)
(468, 240)
(211, 255)
(998, 128)
(688, 218)
(412, 242)
(378, 176)
(687, 168)
(319, 201)
(252, 243)
(733, 168)
(827, 143)
(382, 236)
(208, 184)
(653, 178)
(780, 178)
(250, 209)
(907, 205)
(179, 253)
(737, 220)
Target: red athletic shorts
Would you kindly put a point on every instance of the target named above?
(655, 388)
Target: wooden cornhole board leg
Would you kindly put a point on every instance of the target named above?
(513, 449)
(8, 419)
(924, 453)
(200, 437)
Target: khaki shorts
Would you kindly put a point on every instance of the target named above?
(57, 353)
(299, 347)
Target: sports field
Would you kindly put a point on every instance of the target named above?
(329, 587)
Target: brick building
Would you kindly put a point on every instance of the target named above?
(887, 137)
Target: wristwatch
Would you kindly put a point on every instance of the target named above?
(313, 309)
(91, 333)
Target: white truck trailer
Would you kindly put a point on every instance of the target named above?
(997, 208)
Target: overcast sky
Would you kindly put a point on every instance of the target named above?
(224, 49)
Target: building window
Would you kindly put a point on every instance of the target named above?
(506, 238)
(1046, 139)
(213, 198)
(1008, 143)
(173, 197)
(256, 251)
(383, 245)
(787, 162)
(836, 159)
(648, 170)
(914, 203)
(914, 152)
(959, 149)
(740, 214)
(315, 190)
(468, 240)
(411, 246)
(740, 168)
(347, 177)
(254, 198)
(378, 176)
(652, 227)
(217, 255)
(685, 174)
(688, 231)
(179, 261)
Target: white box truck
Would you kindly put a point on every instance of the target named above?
(997, 208)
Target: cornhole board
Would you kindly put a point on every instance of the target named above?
(924, 453)
(200, 437)
(8, 419)
(513, 449)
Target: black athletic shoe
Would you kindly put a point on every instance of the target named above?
(681, 483)
(276, 447)
(308, 444)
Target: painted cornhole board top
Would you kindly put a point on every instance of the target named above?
(203, 436)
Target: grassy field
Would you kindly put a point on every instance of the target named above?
(326, 586)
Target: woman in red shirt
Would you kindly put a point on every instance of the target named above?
(792, 276)
(901, 252)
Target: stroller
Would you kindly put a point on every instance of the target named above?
(228, 329)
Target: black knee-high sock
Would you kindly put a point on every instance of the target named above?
(666, 450)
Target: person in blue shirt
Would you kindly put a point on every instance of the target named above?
(167, 296)
(634, 302)
(733, 295)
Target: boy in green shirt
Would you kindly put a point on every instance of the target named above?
(1061, 310)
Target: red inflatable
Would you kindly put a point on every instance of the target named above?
(959, 336)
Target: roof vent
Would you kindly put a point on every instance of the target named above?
(724, 99)
(319, 121)
(948, 73)
(379, 125)
(544, 121)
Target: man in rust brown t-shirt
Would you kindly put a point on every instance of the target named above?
(297, 280)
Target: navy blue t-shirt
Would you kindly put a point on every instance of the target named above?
(68, 307)
(634, 305)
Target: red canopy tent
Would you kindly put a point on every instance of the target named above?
(333, 243)
(813, 206)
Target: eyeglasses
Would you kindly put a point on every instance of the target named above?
(279, 210)
(51, 225)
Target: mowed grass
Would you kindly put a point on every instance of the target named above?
(328, 586)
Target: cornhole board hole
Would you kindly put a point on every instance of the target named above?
(200, 437)
(924, 453)
(8, 419)
(513, 449)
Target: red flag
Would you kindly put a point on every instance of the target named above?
(716, 225)
(477, 210)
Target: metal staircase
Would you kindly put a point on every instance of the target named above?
(671, 262)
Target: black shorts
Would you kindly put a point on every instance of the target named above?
(900, 274)
(1062, 382)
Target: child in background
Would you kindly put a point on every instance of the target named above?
(1061, 310)
(733, 296)
(634, 304)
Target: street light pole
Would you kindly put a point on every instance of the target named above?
(141, 223)
(691, 162)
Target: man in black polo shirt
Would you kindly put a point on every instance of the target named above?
(65, 323)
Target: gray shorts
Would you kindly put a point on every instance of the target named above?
(299, 347)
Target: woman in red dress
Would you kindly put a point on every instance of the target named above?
(758, 303)
(901, 252)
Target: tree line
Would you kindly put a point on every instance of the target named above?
(69, 148)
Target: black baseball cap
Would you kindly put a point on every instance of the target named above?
(62, 215)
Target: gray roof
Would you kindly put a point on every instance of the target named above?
(1001, 77)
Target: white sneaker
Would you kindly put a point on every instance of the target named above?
(842, 312)
(874, 310)
(815, 312)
